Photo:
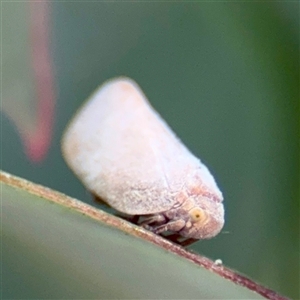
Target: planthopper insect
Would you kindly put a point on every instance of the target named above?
(126, 155)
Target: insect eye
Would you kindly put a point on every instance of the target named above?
(198, 215)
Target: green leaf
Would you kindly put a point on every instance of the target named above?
(54, 246)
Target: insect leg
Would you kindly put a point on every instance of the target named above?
(180, 240)
(174, 226)
(156, 219)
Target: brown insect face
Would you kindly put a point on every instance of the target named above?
(202, 224)
(190, 220)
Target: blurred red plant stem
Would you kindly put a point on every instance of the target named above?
(37, 143)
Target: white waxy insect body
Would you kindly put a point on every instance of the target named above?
(126, 154)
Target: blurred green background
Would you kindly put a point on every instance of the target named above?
(225, 76)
